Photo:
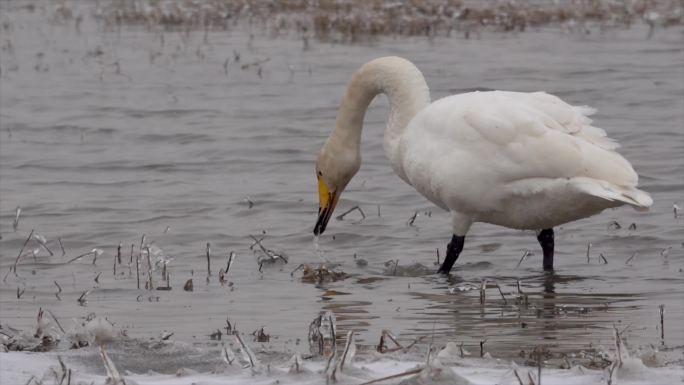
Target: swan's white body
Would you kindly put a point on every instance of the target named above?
(520, 160)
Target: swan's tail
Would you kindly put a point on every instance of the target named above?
(632, 196)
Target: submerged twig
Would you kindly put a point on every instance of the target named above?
(61, 246)
(630, 258)
(393, 376)
(42, 241)
(59, 290)
(502, 294)
(341, 216)
(526, 253)
(413, 218)
(83, 299)
(95, 252)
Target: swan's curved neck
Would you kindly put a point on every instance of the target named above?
(406, 90)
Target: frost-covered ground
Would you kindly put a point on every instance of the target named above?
(19, 367)
(96, 344)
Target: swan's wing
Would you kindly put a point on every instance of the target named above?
(573, 120)
(470, 146)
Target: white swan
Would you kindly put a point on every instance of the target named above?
(520, 160)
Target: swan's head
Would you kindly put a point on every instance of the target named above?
(335, 167)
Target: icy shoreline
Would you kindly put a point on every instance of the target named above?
(20, 367)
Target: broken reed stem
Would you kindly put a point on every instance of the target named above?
(56, 321)
(61, 246)
(403, 374)
(539, 366)
(130, 261)
(517, 376)
(605, 261)
(208, 259)
(118, 253)
(22, 250)
(502, 294)
(350, 340)
(149, 270)
(137, 269)
(114, 266)
(482, 342)
(662, 323)
(483, 287)
(588, 252)
(231, 259)
(437, 256)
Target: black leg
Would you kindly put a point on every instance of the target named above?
(545, 239)
(453, 250)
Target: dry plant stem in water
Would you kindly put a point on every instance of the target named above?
(22, 250)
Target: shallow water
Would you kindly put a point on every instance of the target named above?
(108, 135)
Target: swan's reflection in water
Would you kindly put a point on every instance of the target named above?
(551, 310)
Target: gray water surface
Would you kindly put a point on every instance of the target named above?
(106, 135)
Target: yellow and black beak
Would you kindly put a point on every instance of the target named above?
(328, 201)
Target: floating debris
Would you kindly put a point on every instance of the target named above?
(260, 335)
(319, 275)
(268, 256)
